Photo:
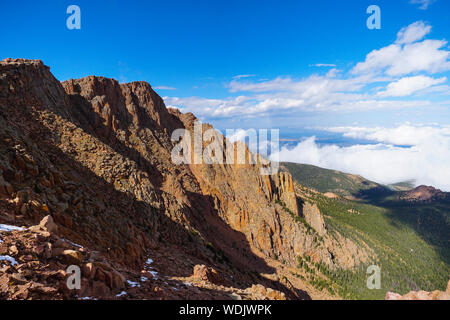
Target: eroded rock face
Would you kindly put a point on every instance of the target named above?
(314, 218)
(247, 201)
(95, 157)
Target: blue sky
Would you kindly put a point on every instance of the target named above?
(198, 46)
(266, 64)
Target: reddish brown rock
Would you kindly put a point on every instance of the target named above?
(314, 217)
(99, 289)
(424, 194)
(47, 224)
(202, 272)
(18, 278)
(40, 288)
(421, 295)
(88, 270)
(72, 257)
(22, 292)
(263, 293)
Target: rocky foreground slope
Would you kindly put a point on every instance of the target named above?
(94, 157)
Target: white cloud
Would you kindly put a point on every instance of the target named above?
(164, 88)
(426, 160)
(407, 55)
(322, 65)
(409, 85)
(378, 59)
(441, 90)
(239, 135)
(308, 86)
(203, 107)
(427, 56)
(402, 135)
(333, 72)
(240, 76)
(424, 4)
(412, 33)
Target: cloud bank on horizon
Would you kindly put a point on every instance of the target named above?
(404, 153)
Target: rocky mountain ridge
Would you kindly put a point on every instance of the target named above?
(95, 155)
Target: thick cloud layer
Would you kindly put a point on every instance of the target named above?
(425, 159)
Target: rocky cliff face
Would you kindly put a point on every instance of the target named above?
(96, 156)
(282, 189)
(313, 217)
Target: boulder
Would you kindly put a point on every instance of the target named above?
(47, 224)
(259, 292)
(72, 257)
(88, 270)
(13, 250)
(42, 236)
(275, 295)
(202, 272)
